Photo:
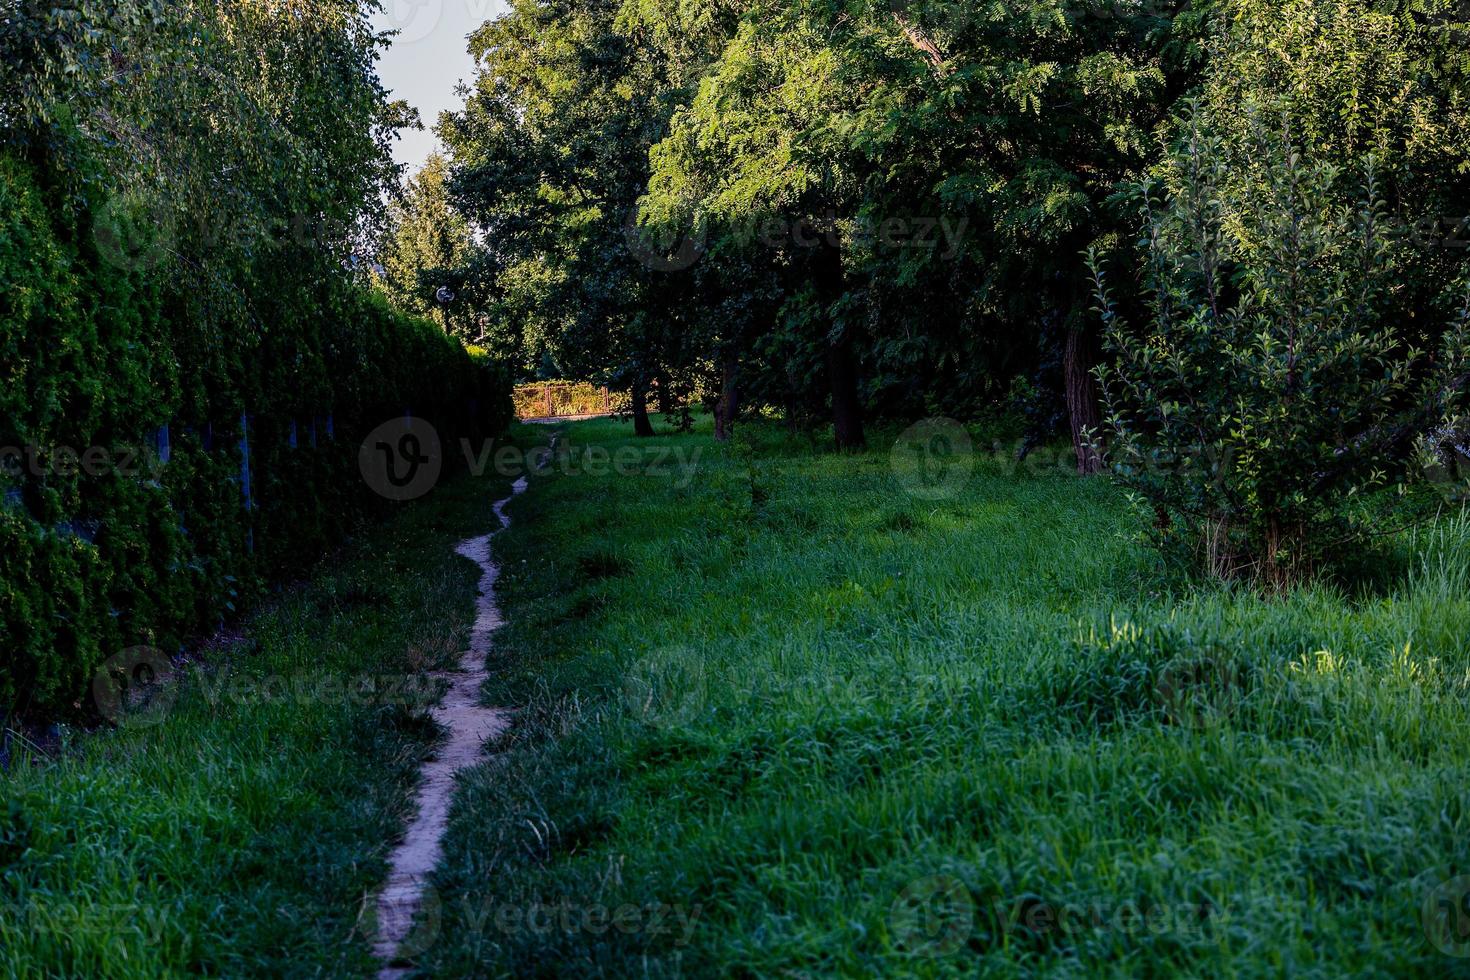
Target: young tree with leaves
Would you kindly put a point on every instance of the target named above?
(1271, 393)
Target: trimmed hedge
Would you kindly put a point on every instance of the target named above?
(126, 408)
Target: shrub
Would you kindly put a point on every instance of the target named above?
(1272, 390)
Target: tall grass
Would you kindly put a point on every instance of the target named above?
(241, 828)
(787, 720)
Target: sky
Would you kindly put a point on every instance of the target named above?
(427, 60)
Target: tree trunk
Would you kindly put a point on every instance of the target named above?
(1082, 401)
(641, 425)
(920, 40)
(729, 404)
(847, 413)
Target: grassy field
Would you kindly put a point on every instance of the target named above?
(779, 717)
(240, 826)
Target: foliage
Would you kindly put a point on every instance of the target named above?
(860, 209)
(1001, 134)
(550, 154)
(182, 188)
(1353, 79)
(1359, 78)
(1272, 389)
(838, 207)
(1384, 78)
(425, 246)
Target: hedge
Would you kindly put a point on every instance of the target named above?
(127, 411)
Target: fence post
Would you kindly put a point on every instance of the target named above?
(245, 479)
(546, 389)
(245, 461)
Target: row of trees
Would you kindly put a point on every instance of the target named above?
(837, 209)
(849, 208)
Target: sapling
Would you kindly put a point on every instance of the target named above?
(1276, 389)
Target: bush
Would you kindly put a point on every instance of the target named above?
(1272, 391)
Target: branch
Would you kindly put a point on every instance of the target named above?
(921, 41)
(1385, 439)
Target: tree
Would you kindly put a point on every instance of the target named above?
(755, 150)
(1357, 78)
(1265, 212)
(1042, 113)
(1271, 391)
(1015, 124)
(426, 244)
(549, 158)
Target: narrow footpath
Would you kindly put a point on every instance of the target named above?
(471, 726)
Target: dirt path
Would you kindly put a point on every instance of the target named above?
(470, 726)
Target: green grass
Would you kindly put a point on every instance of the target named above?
(242, 832)
(778, 717)
(786, 720)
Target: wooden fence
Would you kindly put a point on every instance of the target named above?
(559, 399)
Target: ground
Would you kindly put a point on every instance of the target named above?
(775, 714)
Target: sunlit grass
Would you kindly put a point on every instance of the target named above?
(845, 730)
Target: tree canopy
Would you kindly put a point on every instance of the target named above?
(846, 210)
